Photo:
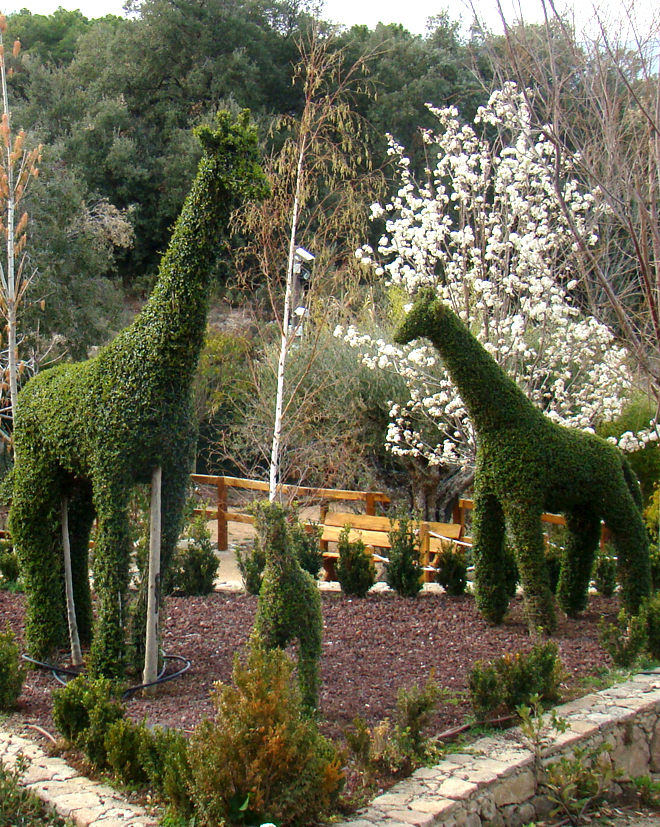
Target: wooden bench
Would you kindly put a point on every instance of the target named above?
(374, 533)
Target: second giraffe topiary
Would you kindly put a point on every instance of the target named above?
(526, 465)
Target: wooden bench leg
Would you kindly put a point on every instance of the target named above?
(329, 568)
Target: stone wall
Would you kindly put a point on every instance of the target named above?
(493, 781)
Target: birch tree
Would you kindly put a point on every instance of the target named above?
(321, 183)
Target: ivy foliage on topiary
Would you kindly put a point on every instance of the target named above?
(525, 465)
(91, 431)
(289, 599)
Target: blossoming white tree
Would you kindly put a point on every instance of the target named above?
(487, 230)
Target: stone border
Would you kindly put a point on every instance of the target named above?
(72, 795)
(492, 782)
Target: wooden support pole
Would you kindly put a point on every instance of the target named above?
(223, 540)
(76, 653)
(153, 594)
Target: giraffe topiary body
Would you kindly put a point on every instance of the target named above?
(525, 465)
(91, 431)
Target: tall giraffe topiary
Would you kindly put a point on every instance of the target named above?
(87, 433)
(526, 465)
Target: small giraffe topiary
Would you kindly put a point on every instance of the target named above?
(289, 600)
(87, 433)
(526, 465)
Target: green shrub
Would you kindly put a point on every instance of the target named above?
(355, 568)
(604, 573)
(164, 758)
(451, 569)
(651, 614)
(512, 680)
(262, 759)
(18, 806)
(83, 712)
(625, 640)
(654, 555)
(194, 565)
(123, 741)
(403, 571)
(12, 673)
(306, 547)
(389, 749)
(251, 563)
(414, 708)
(553, 560)
(9, 566)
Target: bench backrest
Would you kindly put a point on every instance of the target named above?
(367, 523)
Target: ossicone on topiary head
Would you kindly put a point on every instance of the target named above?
(421, 317)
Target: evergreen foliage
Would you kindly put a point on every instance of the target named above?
(262, 759)
(251, 563)
(526, 465)
(20, 807)
(92, 430)
(194, 565)
(512, 680)
(355, 568)
(12, 674)
(451, 569)
(604, 573)
(289, 600)
(403, 572)
(83, 712)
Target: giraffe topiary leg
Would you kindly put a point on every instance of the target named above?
(310, 635)
(583, 536)
(489, 561)
(632, 550)
(111, 564)
(524, 521)
(35, 528)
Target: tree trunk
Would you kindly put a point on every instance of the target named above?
(76, 654)
(279, 401)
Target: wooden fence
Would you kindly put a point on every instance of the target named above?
(222, 514)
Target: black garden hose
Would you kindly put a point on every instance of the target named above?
(74, 673)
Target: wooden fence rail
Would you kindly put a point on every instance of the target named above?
(463, 506)
(222, 514)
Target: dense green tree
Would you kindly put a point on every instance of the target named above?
(407, 72)
(51, 38)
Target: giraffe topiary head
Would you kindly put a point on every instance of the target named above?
(274, 534)
(232, 149)
(421, 318)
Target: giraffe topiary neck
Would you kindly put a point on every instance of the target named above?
(172, 324)
(492, 399)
